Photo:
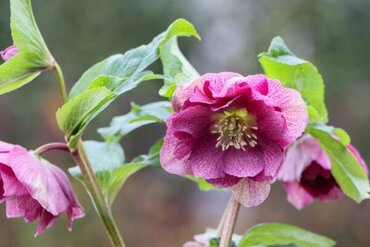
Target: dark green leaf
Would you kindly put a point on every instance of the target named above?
(280, 63)
(282, 234)
(138, 116)
(345, 167)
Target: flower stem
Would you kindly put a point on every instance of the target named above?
(231, 215)
(101, 205)
(51, 146)
(61, 83)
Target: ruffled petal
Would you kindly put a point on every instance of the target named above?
(297, 195)
(243, 163)
(292, 107)
(169, 154)
(251, 193)
(206, 160)
(273, 157)
(193, 120)
(35, 176)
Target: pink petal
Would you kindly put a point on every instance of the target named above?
(299, 156)
(169, 161)
(12, 209)
(35, 175)
(5, 147)
(46, 221)
(297, 195)
(9, 52)
(292, 107)
(240, 163)
(192, 120)
(206, 160)
(11, 185)
(226, 181)
(273, 157)
(251, 193)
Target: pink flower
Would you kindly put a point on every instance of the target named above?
(306, 172)
(9, 52)
(33, 188)
(232, 131)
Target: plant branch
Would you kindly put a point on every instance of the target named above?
(231, 216)
(101, 205)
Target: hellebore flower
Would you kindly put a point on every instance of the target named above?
(33, 188)
(306, 172)
(232, 131)
(9, 52)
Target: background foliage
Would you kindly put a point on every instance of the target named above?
(166, 210)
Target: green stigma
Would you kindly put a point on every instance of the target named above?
(235, 128)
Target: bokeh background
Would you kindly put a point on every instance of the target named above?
(161, 210)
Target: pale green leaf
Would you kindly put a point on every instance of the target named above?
(130, 65)
(275, 234)
(107, 160)
(176, 67)
(280, 63)
(138, 116)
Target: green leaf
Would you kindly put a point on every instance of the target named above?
(138, 116)
(26, 35)
(107, 160)
(345, 168)
(74, 116)
(176, 67)
(280, 63)
(33, 57)
(129, 66)
(150, 159)
(282, 234)
(113, 76)
(343, 136)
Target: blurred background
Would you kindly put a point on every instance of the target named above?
(161, 210)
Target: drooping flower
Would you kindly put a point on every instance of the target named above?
(232, 131)
(33, 188)
(306, 172)
(9, 52)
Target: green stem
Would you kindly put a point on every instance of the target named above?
(102, 207)
(231, 216)
(61, 83)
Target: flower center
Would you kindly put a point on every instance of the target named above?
(235, 128)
